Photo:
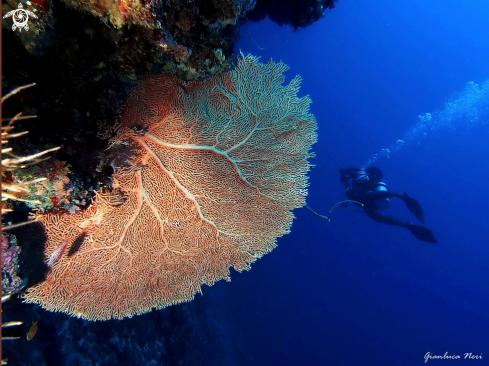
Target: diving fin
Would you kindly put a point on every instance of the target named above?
(414, 206)
(423, 233)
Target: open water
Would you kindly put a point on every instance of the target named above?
(353, 291)
(396, 84)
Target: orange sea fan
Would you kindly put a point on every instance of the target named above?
(217, 167)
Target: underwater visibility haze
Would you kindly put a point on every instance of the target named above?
(403, 87)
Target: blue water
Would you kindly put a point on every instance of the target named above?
(353, 291)
(350, 291)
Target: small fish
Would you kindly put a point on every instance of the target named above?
(58, 252)
(32, 331)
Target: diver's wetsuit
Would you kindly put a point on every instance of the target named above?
(372, 211)
(365, 186)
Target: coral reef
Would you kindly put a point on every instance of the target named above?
(177, 36)
(16, 190)
(212, 171)
(12, 281)
(193, 40)
(29, 179)
(62, 190)
(66, 185)
(85, 55)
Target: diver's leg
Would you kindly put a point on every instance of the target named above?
(385, 194)
(420, 232)
(413, 205)
(386, 219)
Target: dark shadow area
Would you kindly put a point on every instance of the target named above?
(76, 244)
(32, 242)
(179, 335)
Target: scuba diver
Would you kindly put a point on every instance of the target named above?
(366, 189)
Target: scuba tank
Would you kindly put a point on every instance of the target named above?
(358, 183)
(381, 203)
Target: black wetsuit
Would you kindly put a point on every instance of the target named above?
(363, 188)
(366, 187)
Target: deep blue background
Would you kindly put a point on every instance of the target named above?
(352, 291)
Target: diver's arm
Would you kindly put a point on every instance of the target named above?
(348, 173)
(348, 176)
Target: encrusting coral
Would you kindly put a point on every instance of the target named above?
(215, 169)
(12, 189)
(12, 281)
